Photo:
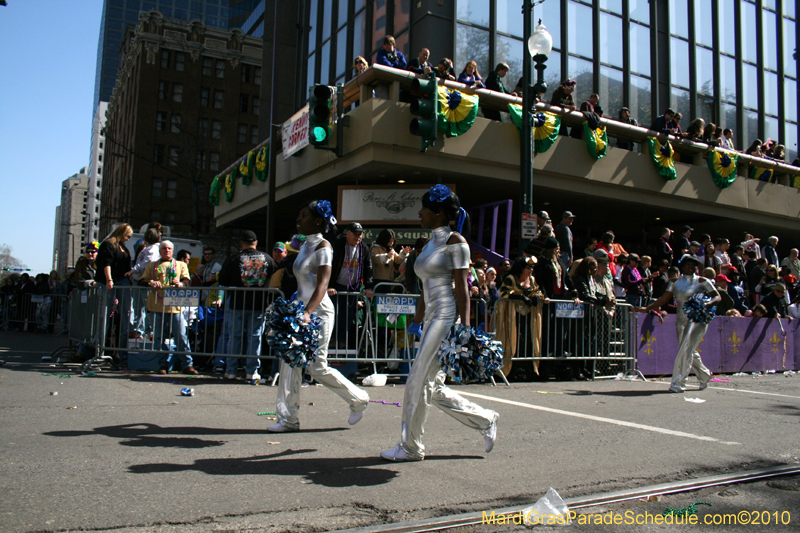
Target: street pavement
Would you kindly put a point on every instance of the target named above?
(125, 452)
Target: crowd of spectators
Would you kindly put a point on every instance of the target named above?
(669, 122)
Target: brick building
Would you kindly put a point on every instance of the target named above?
(185, 106)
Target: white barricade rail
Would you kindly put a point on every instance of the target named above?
(584, 339)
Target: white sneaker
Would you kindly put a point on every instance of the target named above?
(251, 377)
(280, 428)
(490, 437)
(676, 388)
(355, 417)
(398, 455)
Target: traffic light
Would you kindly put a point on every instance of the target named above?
(427, 108)
(319, 115)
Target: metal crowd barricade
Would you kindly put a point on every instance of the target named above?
(4, 312)
(143, 323)
(86, 307)
(38, 312)
(582, 337)
(392, 313)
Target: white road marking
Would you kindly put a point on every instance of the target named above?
(712, 387)
(599, 419)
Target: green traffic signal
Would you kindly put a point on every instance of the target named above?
(319, 114)
(427, 108)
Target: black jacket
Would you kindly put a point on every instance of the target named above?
(544, 274)
(774, 305)
(414, 66)
(495, 83)
(582, 285)
(664, 250)
(247, 268)
(338, 262)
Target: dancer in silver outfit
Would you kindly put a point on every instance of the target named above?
(689, 333)
(442, 267)
(312, 269)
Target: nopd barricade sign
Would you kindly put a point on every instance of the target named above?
(182, 297)
(569, 310)
(395, 305)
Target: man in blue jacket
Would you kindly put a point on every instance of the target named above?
(389, 56)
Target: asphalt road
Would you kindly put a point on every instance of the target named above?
(125, 452)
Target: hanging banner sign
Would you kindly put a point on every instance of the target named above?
(294, 133)
(378, 204)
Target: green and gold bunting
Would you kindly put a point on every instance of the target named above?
(796, 182)
(261, 163)
(246, 167)
(545, 127)
(457, 111)
(723, 167)
(663, 157)
(230, 186)
(213, 191)
(596, 140)
(760, 174)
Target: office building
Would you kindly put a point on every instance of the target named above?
(70, 232)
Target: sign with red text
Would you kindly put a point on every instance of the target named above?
(294, 134)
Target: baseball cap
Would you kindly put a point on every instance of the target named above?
(695, 243)
(690, 257)
(722, 277)
(686, 228)
(543, 215)
(248, 236)
(567, 214)
(601, 256)
(279, 246)
(355, 227)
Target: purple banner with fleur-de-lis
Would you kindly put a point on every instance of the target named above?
(730, 345)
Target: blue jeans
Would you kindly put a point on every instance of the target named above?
(249, 325)
(178, 325)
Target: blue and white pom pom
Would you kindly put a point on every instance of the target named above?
(290, 339)
(469, 355)
(696, 310)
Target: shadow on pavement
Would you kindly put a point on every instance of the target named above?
(330, 472)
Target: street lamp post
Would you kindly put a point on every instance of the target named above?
(539, 44)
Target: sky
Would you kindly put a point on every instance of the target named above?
(48, 54)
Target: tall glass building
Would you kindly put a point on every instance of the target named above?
(119, 14)
(731, 62)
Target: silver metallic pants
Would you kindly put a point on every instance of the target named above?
(425, 385)
(689, 336)
(291, 379)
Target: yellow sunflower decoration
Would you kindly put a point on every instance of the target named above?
(230, 186)
(545, 127)
(663, 157)
(457, 111)
(723, 167)
(246, 167)
(261, 163)
(596, 140)
(213, 191)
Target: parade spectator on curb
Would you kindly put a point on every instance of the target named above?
(564, 236)
(663, 249)
(419, 65)
(607, 244)
(535, 247)
(494, 82)
(384, 256)
(141, 323)
(207, 271)
(776, 302)
(632, 281)
(411, 280)
(647, 276)
(470, 76)
(591, 246)
(284, 278)
(113, 269)
(710, 259)
(721, 251)
(736, 291)
(162, 273)
(737, 259)
(660, 280)
(750, 243)
(605, 285)
(705, 238)
(389, 56)
(682, 241)
(249, 268)
(278, 251)
(520, 295)
(726, 303)
(504, 269)
(768, 280)
(769, 251)
(625, 117)
(360, 65)
(792, 262)
(351, 269)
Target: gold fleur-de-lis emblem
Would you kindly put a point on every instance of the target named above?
(648, 338)
(775, 340)
(735, 340)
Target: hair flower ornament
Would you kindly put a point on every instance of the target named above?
(439, 193)
(325, 211)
